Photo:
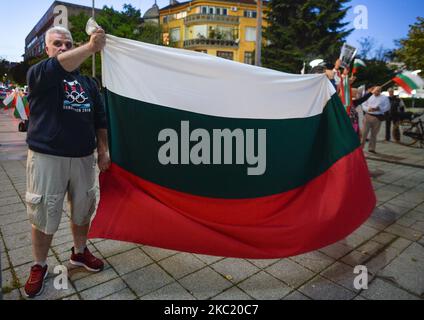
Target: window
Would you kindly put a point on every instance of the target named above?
(200, 31)
(181, 15)
(201, 50)
(175, 34)
(225, 54)
(213, 10)
(250, 34)
(249, 14)
(225, 33)
(248, 57)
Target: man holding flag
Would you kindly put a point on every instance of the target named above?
(67, 118)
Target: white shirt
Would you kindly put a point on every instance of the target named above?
(377, 101)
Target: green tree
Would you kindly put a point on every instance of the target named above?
(300, 30)
(366, 47)
(411, 51)
(125, 24)
(4, 67)
(19, 71)
(376, 73)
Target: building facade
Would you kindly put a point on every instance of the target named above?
(222, 28)
(57, 15)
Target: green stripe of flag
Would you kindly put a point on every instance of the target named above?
(408, 81)
(297, 150)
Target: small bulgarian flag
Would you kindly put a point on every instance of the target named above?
(409, 81)
(358, 64)
(346, 93)
(15, 100)
(21, 107)
(9, 101)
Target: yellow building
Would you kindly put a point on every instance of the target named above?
(222, 28)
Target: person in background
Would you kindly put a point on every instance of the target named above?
(357, 100)
(346, 96)
(329, 71)
(337, 74)
(393, 116)
(375, 107)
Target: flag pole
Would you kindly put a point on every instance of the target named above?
(93, 72)
(385, 84)
(258, 48)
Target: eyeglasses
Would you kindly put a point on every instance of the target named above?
(58, 44)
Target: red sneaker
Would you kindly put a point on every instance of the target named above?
(86, 260)
(35, 283)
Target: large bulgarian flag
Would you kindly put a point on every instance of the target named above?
(409, 81)
(217, 157)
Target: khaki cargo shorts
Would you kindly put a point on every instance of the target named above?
(49, 178)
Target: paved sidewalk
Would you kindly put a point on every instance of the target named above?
(390, 244)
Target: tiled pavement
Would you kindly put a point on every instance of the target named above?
(390, 244)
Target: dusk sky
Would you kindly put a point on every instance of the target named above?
(388, 20)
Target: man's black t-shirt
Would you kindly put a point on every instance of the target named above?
(65, 111)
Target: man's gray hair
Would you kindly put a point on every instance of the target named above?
(60, 30)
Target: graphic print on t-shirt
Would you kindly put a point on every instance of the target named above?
(75, 97)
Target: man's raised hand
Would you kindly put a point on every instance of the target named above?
(97, 40)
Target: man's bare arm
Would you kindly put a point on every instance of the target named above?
(103, 159)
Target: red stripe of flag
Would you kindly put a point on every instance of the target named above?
(403, 84)
(323, 211)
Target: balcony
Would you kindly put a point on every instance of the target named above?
(214, 18)
(205, 42)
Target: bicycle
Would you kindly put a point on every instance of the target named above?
(411, 130)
